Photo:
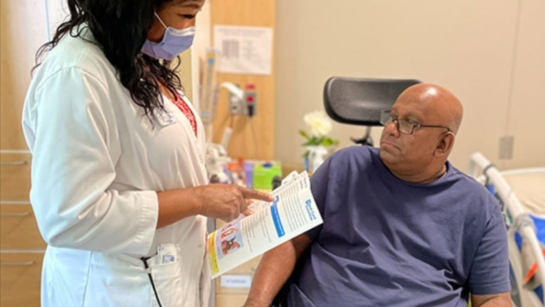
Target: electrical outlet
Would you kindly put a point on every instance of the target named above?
(506, 147)
(250, 100)
(235, 105)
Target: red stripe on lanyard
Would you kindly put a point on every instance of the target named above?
(182, 105)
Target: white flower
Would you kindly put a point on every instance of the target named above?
(318, 123)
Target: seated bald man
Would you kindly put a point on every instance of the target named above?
(402, 226)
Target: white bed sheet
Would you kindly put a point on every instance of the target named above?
(529, 186)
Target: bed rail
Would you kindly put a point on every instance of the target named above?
(480, 164)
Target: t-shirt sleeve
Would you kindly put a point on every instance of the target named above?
(319, 185)
(490, 269)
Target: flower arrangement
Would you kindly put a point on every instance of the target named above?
(319, 126)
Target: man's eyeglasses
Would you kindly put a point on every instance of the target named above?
(404, 126)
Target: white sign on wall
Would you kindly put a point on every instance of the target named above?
(236, 281)
(244, 50)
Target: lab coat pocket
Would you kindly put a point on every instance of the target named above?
(169, 283)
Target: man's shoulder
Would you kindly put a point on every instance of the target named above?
(358, 158)
(467, 181)
(357, 152)
(473, 191)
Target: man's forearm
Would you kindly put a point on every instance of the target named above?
(494, 300)
(497, 303)
(273, 271)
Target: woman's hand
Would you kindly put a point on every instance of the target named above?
(218, 201)
(227, 201)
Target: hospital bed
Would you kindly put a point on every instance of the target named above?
(521, 193)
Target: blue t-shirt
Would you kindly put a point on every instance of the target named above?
(387, 242)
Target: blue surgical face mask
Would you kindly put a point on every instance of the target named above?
(174, 42)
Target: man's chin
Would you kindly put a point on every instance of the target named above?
(384, 153)
(388, 153)
(388, 148)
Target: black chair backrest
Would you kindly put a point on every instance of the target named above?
(359, 101)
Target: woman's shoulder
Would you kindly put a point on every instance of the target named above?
(78, 51)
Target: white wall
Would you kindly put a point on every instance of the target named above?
(57, 12)
(473, 48)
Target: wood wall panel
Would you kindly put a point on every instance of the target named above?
(251, 138)
(22, 31)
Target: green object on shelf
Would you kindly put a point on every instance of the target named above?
(264, 174)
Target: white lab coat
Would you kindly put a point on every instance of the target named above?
(97, 164)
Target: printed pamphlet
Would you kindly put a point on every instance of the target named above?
(292, 213)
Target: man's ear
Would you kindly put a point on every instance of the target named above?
(445, 145)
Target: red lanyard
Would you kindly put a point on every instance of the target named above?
(181, 104)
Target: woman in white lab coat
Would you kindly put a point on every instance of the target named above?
(119, 186)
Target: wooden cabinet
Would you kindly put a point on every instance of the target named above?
(21, 245)
(22, 30)
(18, 229)
(223, 300)
(14, 177)
(20, 275)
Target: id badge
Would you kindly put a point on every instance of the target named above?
(164, 118)
(167, 253)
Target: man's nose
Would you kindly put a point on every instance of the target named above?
(391, 128)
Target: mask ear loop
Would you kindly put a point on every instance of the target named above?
(160, 20)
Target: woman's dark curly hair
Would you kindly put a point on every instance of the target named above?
(120, 27)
